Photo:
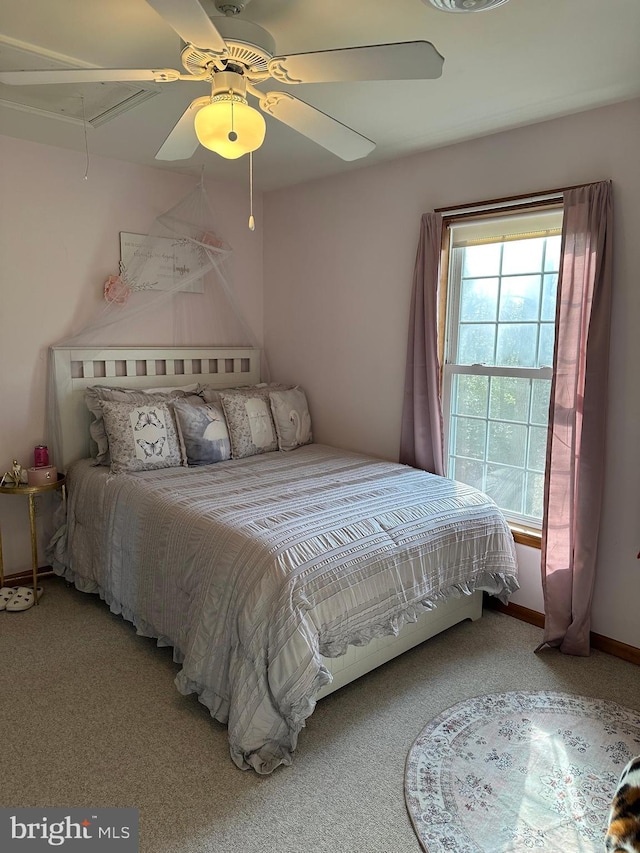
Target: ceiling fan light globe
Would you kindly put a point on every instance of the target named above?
(227, 135)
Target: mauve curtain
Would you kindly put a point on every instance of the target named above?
(421, 443)
(575, 447)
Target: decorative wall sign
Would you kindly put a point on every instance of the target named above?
(167, 261)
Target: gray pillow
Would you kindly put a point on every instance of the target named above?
(96, 394)
(202, 431)
(250, 423)
(212, 395)
(141, 437)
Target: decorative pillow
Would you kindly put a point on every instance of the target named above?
(141, 437)
(203, 432)
(212, 395)
(291, 417)
(169, 389)
(250, 424)
(96, 394)
(209, 394)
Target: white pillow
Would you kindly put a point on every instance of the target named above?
(291, 417)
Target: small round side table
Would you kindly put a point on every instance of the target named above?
(31, 492)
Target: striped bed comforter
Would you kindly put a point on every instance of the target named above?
(253, 568)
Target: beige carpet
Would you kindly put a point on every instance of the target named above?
(89, 715)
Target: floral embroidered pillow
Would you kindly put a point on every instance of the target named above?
(211, 394)
(95, 395)
(141, 437)
(202, 430)
(291, 417)
(250, 423)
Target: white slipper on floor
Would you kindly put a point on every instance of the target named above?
(23, 599)
(6, 594)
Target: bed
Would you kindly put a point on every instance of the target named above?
(276, 578)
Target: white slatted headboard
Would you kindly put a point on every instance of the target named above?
(76, 368)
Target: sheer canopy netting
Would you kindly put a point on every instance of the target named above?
(174, 288)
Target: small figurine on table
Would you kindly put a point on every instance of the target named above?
(13, 477)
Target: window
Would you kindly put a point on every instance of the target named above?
(498, 356)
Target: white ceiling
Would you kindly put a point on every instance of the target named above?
(523, 62)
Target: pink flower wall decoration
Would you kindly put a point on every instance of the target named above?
(116, 291)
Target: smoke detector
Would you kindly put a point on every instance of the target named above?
(231, 8)
(465, 5)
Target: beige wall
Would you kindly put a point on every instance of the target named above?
(338, 263)
(59, 240)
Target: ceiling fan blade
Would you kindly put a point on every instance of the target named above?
(182, 142)
(411, 60)
(316, 125)
(88, 75)
(191, 22)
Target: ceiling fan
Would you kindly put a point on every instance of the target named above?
(235, 55)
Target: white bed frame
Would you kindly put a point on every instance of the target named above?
(76, 368)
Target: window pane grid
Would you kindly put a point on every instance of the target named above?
(470, 448)
(471, 327)
(501, 334)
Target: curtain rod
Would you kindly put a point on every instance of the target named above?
(496, 205)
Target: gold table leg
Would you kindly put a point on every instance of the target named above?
(1, 561)
(34, 545)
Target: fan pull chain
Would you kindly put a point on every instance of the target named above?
(232, 134)
(252, 222)
(86, 144)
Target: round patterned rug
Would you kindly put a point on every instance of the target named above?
(519, 771)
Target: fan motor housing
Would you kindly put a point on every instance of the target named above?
(250, 47)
